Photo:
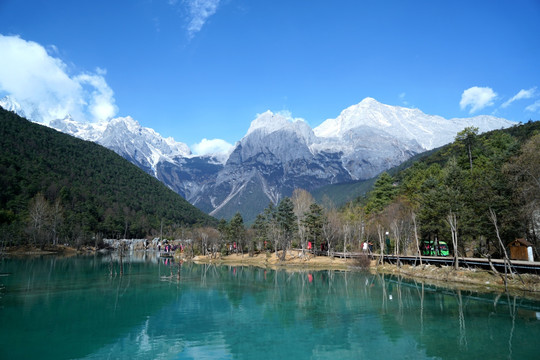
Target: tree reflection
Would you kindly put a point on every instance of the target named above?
(249, 311)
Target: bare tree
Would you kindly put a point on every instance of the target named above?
(39, 212)
(331, 229)
(397, 228)
(413, 218)
(507, 263)
(524, 171)
(380, 234)
(214, 243)
(397, 215)
(302, 200)
(451, 219)
(203, 236)
(56, 218)
(353, 226)
(347, 232)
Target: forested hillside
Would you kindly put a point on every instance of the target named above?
(56, 188)
(475, 191)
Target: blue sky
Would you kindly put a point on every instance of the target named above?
(195, 69)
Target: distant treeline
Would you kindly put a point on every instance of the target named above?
(57, 188)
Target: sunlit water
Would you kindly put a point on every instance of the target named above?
(72, 308)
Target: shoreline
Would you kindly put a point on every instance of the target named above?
(444, 276)
(293, 260)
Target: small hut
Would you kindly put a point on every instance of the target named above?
(521, 249)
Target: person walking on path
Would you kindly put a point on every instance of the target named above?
(365, 247)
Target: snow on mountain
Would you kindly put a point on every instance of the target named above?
(124, 130)
(278, 153)
(276, 134)
(429, 131)
(124, 135)
(85, 131)
(268, 122)
(10, 104)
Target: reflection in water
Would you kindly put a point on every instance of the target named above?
(462, 329)
(512, 309)
(172, 310)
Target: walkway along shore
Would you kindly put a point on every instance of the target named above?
(526, 285)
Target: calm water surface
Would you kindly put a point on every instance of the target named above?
(71, 308)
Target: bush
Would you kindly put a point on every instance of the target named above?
(363, 262)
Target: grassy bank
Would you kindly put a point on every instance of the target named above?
(293, 260)
(526, 285)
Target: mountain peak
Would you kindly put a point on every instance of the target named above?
(369, 100)
(131, 124)
(10, 104)
(268, 122)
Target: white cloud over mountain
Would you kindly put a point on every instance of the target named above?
(522, 94)
(477, 98)
(46, 90)
(212, 147)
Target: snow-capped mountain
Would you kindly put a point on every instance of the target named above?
(374, 136)
(10, 104)
(428, 131)
(278, 154)
(140, 145)
(168, 160)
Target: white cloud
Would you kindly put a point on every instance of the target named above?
(287, 114)
(198, 13)
(522, 94)
(44, 88)
(212, 147)
(402, 98)
(477, 98)
(534, 107)
(101, 104)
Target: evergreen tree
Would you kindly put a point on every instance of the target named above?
(237, 231)
(314, 222)
(286, 220)
(382, 194)
(273, 230)
(260, 228)
(468, 137)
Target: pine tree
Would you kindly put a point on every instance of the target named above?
(314, 223)
(382, 194)
(287, 222)
(237, 231)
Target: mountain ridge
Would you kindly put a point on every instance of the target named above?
(279, 153)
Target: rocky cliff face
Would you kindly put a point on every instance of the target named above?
(269, 163)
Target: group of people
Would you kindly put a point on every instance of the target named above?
(367, 247)
(168, 247)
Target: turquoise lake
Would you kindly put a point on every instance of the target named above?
(72, 308)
